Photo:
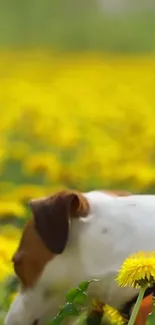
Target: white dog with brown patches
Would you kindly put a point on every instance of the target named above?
(73, 237)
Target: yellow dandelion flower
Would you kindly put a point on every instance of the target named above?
(113, 315)
(7, 248)
(11, 208)
(137, 270)
(97, 306)
(25, 192)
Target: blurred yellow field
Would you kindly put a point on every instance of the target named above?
(81, 121)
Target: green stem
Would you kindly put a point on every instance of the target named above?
(137, 305)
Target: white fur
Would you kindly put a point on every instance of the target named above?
(98, 244)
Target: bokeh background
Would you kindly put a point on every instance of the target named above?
(77, 105)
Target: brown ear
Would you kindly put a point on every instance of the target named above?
(52, 217)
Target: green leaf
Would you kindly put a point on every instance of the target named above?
(84, 285)
(70, 309)
(80, 298)
(150, 319)
(76, 296)
(71, 294)
(57, 320)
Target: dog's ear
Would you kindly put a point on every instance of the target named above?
(52, 217)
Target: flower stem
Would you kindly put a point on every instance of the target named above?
(137, 305)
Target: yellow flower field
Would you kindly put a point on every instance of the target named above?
(79, 121)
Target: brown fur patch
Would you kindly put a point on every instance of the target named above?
(31, 256)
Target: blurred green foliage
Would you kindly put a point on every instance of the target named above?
(67, 25)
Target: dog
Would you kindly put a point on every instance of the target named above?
(73, 237)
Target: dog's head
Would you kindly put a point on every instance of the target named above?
(47, 233)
